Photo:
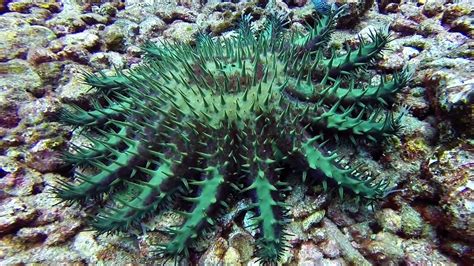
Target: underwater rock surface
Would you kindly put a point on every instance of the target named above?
(428, 221)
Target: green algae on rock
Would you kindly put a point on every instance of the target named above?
(196, 127)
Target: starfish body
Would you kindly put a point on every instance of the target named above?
(228, 118)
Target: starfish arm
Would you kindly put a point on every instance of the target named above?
(355, 59)
(373, 126)
(105, 83)
(270, 217)
(101, 147)
(198, 217)
(152, 194)
(81, 117)
(349, 179)
(318, 35)
(382, 93)
(94, 185)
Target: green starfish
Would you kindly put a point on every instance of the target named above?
(229, 118)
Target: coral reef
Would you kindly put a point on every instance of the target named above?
(245, 116)
(47, 46)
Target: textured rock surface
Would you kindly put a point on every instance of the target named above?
(18, 37)
(451, 171)
(20, 75)
(14, 214)
(45, 46)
